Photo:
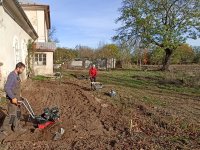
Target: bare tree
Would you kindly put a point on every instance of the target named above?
(51, 35)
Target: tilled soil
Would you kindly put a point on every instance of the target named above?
(93, 123)
(88, 122)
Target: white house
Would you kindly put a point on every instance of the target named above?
(20, 23)
(39, 16)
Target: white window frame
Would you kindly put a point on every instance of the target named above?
(17, 51)
(40, 59)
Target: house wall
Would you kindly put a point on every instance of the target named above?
(45, 69)
(75, 63)
(109, 63)
(87, 64)
(37, 19)
(13, 45)
(79, 64)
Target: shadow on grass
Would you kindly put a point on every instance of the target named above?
(160, 80)
(124, 82)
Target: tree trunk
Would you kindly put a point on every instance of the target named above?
(167, 59)
(106, 64)
(140, 63)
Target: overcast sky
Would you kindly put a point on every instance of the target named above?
(86, 22)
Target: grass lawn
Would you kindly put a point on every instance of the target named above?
(40, 78)
(152, 80)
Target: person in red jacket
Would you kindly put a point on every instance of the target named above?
(93, 73)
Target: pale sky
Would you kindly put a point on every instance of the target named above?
(86, 22)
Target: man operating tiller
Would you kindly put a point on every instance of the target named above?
(93, 74)
(12, 89)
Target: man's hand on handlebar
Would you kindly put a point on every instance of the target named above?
(14, 101)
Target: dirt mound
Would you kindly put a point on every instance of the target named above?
(87, 123)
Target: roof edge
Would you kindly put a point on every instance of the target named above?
(19, 16)
(26, 18)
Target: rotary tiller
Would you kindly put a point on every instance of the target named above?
(48, 117)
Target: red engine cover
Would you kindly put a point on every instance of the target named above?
(42, 126)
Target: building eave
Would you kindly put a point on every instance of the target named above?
(45, 46)
(46, 50)
(16, 12)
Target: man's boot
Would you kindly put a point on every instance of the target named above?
(3, 135)
(5, 129)
(17, 127)
(3, 146)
